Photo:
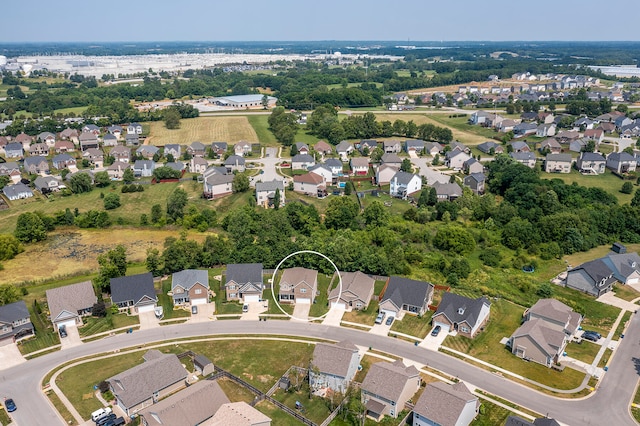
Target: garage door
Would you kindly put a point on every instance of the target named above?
(388, 313)
(445, 327)
(67, 323)
(251, 298)
(200, 301)
(303, 301)
(338, 305)
(632, 281)
(146, 308)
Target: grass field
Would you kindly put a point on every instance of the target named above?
(414, 325)
(95, 325)
(608, 182)
(585, 351)
(207, 129)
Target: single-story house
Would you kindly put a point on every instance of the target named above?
(490, 147)
(357, 291)
(333, 366)
(445, 405)
(387, 387)
(244, 282)
(433, 148)
(298, 285)
(68, 304)
(462, 314)
(404, 184)
(190, 286)
(519, 146)
(134, 292)
(15, 322)
(266, 193)
(403, 295)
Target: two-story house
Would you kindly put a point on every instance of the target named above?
(298, 285)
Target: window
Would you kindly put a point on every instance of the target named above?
(198, 291)
(464, 329)
(231, 286)
(303, 290)
(232, 295)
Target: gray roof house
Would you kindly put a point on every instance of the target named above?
(302, 162)
(388, 387)
(555, 313)
(190, 286)
(403, 295)
(542, 421)
(135, 292)
(197, 149)
(17, 191)
(244, 282)
(621, 162)
(625, 267)
(217, 182)
(526, 158)
(14, 150)
(433, 148)
(15, 322)
(63, 161)
(357, 291)
(235, 163)
(343, 149)
(392, 146)
(520, 146)
(447, 191)
(144, 168)
(557, 163)
(334, 165)
(219, 148)
(475, 182)
(462, 314)
(46, 184)
(173, 149)
(404, 184)
(36, 164)
(487, 146)
(68, 304)
(415, 145)
(333, 366)
(591, 163)
(266, 191)
(594, 277)
(109, 140)
(134, 128)
(203, 365)
(391, 159)
(472, 166)
(147, 151)
(191, 406)
(145, 384)
(445, 405)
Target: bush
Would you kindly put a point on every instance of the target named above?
(627, 188)
(111, 201)
(491, 257)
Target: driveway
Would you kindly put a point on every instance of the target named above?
(381, 329)
(424, 169)
(148, 320)
(205, 313)
(611, 299)
(255, 309)
(10, 355)
(433, 343)
(72, 339)
(334, 316)
(301, 311)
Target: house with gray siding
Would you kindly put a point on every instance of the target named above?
(333, 366)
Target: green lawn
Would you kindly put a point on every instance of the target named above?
(607, 181)
(45, 335)
(235, 392)
(315, 408)
(261, 126)
(413, 325)
(4, 417)
(60, 408)
(605, 358)
(367, 316)
(95, 325)
(321, 304)
(166, 302)
(585, 351)
(222, 305)
(277, 416)
(491, 414)
(621, 325)
(626, 292)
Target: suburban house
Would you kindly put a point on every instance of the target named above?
(121, 153)
(333, 366)
(526, 158)
(433, 148)
(238, 413)
(357, 291)
(334, 165)
(12, 170)
(519, 146)
(109, 140)
(625, 267)
(173, 149)
(131, 140)
(323, 148)
(115, 131)
(367, 145)
(472, 166)
(298, 285)
(548, 327)
(134, 129)
(414, 145)
(217, 182)
(190, 286)
(235, 163)
(391, 159)
(309, 184)
(591, 163)
(144, 168)
(47, 138)
(621, 162)
(475, 182)
(302, 162)
(46, 184)
(462, 314)
(63, 161)
(135, 293)
(116, 170)
(17, 191)
(191, 406)
(36, 165)
(196, 149)
(93, 156)
(490, 147)
(324, 171)
(447, 191)
(266, 193)
(91, 128)
(343, 149)
(198, 165)
(301, 147)
(594, 277)
(14, 150)
(392, 147)
(147, 151)
(242, 148)
(68, 304)
(403, 295)
(145, 384)
(15, 322)
(455, 159)
(25, 140)
(219, 148)
(64, 146)
(88, 140)
(596, 135)
(384, 174)
(546, 130)
(360, 165)
(557, 163)
(442, 404)
(388, 387)
(243, 282)
(39, 149)
(70, 135)
(578, 145)
(404, 184)
(550, 145)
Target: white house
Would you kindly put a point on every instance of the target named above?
(403, 184)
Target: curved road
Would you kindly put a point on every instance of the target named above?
(609, 405)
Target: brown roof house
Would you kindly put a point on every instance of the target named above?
(403, 295)
(333, 366)
(445, 405)
(323, 148)
(68, 304)
(190, 287)
(244, 282)
(298, 285)
(357, 291)
(145, 384)
(462, 314)
(387, 388)
(238, 414)
(191, 406)
(309, 184)
(548, 327)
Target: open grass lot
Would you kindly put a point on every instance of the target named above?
(504, 320)
(607, 181)
(473, 134)
(315, 408)
(95, 325)
(626, 292)
(260, 126)
(491, 414)
(578, 258)
(278, 417)
(585, 351)
(207, 129)
(413, 325)
(235, 392)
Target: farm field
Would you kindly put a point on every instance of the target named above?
(207, 129)
(463, 136)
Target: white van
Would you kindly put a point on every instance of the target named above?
(98, 414)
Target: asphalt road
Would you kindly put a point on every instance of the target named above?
(609, 405)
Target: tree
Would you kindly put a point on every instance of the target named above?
(127, 176)
(176, 202)
(375, 214)
(294, 150)
(80, 182)
(454, 239)
(627, 188)
(376, 154)
(4, 181)
(99, 310)
(156, 213)
(154, 261)
(171, 118)
(30, 228)
(8, 294)
(112, 264)
(276, 199)
(635, 202)
(9, 246)
(111, 201)
(405, 166)
(102, 179)
(341, 213)
(265, 102)
(240, 183)
(347, 188)
(164, 172)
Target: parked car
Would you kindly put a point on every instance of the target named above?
(245, 307)
(590, 336)
(115, 422)
(10, 405)
(389, 321)
(63, 331)
(595, 333)
(380, 318)
(436, 330)
(100, 413)
(104, 420)
(194, 309)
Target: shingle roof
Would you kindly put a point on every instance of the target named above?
(133, 287)
(343, 146)
(391, 157)
(388, 380)
(356, 283)
(333, 162)
(564, 158)
(402, 178)
(237, 414)
(548, 340)
(294, 276)
(517, 421)
(219, 179)
(12, 191)
(234, 160)
(334, 358)
(302, 158)
(271, 185)
(623, 264)
(443, 403)
(360, 162)
(243, 273)
(189, 277)
(13, 312)
(461, 309)
(591, 156)
(309, 178)
(70, 298)
(406, 291)
(140, 382)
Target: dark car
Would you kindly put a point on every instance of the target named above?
(389, 321)
(595, 333)
(10, 405)
(194, 309)
(436, 330)
(106, 419)
(63, 331)
(115, 422)
(592, 336)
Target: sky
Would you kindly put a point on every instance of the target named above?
(304, 20)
